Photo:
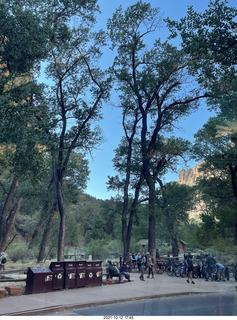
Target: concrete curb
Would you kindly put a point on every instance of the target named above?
(61, 308)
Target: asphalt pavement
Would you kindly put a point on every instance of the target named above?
(67, 299)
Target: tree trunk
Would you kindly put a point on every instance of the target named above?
(131, 216)
(59, 196)
(62, 231)
(233, 172)
(8, 214)
(46, 234)
(175, 247)
(152, 220)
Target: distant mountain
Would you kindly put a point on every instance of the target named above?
(189, 176)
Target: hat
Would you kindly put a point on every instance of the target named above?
(148, 253)
(189, 251)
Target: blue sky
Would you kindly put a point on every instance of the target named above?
(101, 165)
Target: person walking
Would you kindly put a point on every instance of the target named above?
(142, 267)
(189, 262)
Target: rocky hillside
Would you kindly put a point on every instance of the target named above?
(189, 176)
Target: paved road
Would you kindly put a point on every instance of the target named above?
(193, 305)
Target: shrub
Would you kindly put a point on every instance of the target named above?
(21, 252)
(97, 248)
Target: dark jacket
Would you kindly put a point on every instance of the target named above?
(124, 268)
(112, 269)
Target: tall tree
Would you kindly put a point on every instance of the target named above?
(218, 150)
(20, 130)
(157, 81)
(210, 40)
(77, 91)
(179, 203)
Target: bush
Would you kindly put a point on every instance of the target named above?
(97, 248)
(115, 247)
(21, 252)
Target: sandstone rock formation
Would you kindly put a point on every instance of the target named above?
(189, 176)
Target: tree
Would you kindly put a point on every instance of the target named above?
(128, 162)
(210, 40)
(179, 203)
(73, 109)
(157, 81)
(75, 182)
(69, 52)
(219, 168)
(21, 132)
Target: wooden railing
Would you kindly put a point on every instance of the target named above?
(12, 279)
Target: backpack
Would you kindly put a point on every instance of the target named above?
(213, 262)
(4, 260)
(189, 261)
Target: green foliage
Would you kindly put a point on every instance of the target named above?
(21, 252)
(188, 233)
(97, 248)
(179, 202)
(219, 149)
(114, 247)
(26, 37)
(210, 40)
(224, 245)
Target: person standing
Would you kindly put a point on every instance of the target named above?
(150, 265)
(189, 262)
(138, 260)
(210, 263)
(3, 260)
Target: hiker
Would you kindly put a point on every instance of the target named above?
(210, 263)
(189, 263)
(138, 259)
(3, 260)
(142, 267)
(220, 271)
(150, 265)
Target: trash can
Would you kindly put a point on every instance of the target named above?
(80, 274)
(39, 280)
(58, 275)
(93, 273)
(70, 275)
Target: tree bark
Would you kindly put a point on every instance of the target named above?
(131, 217)
(175, 247)
(46, 234)
(152, 220)
(9, 214)
(59, 196)
(127, 229)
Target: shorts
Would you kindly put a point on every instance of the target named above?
(209, 270)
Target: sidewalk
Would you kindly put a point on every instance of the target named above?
(160, 286)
